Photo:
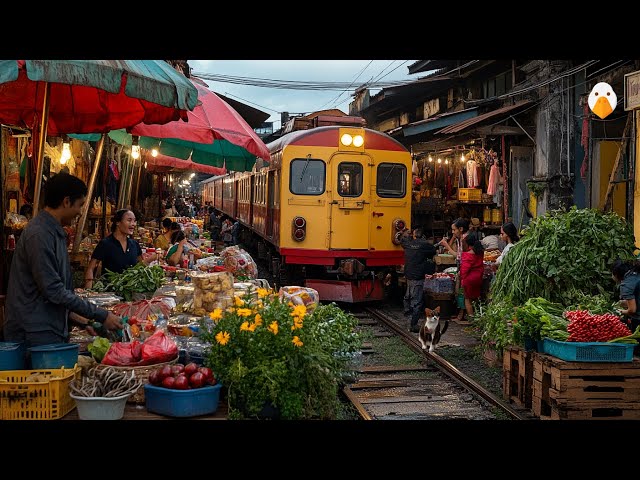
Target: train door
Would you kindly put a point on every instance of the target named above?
(350, 202)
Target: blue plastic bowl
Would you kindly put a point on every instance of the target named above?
(12, 356)
(54, 356)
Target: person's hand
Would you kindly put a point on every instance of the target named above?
(149, 257)
(113, 322)
(444, 242)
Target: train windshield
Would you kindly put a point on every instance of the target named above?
(350, 179)
(392, 180)
(307, 176)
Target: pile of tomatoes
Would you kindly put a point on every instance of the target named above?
(182, 377)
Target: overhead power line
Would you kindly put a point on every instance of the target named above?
(292, 84)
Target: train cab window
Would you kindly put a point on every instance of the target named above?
(391, 180)
(350, 179)
(307, 176)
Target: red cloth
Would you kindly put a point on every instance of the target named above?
(471, 270)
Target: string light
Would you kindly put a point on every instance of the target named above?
(154, 152)
(439, 160)
(462, 159)
(446, 161)
(430, 158)
(135, 149)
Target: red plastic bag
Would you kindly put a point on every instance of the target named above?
(122, 354)
(158, 348)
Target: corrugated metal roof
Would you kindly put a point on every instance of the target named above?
(458, 127)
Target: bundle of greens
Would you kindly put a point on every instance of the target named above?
(136, 279)
(563, 256)
(539, 318)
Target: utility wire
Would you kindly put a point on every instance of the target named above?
(335, 99)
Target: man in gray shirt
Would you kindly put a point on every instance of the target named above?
(40, 299)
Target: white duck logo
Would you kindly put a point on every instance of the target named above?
(602, 100)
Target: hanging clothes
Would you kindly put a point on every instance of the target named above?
(494, 178)
(472, 174)
(461, 178)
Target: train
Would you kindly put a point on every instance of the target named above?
(326, 211)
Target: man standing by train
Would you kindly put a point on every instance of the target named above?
(418, 262)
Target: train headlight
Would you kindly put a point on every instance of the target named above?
(358, 141)
(346, 139)
(298, 229)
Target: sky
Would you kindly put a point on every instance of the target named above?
(275, 100)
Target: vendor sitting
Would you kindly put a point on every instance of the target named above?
(117, 251)
(180, 245)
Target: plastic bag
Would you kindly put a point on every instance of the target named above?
(239, 263)
(122, 354)
(158, 348)
(300, 296)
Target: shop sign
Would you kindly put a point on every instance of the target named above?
(632, 90)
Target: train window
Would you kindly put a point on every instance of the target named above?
(350, 179)
(307, 177)
(392, 180)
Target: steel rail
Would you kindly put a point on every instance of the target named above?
(445, 366)
(356, 403)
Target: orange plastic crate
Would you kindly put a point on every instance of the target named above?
(22, 400)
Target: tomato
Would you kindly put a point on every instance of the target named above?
(197, 380)
(168, 382)
(208, 374)
(165, 372)
(181, 382)
(177, 369)
(190, 369)
(154, 378)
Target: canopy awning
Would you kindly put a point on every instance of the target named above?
(465, 124)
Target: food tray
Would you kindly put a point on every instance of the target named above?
(589, 351)
(22, 400)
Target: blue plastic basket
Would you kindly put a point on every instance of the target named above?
(589, 351)
(182, 403)
(12, 356)
(56, 355)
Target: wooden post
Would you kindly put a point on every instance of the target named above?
(41, 141)
(87, 206)
(623, 145)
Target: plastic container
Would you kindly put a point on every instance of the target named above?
(100, 408)
(182, 403)
(54, 356)
(589, 351)
(12, 356)
(22, 399)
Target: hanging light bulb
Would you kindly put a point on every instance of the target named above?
(135, 149)
(66, 150)
(430, 158)
(145, 164)
(154, 152)
(439, 160)
(446, 161)
(462, 159)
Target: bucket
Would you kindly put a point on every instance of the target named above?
(100, 408)
(12, 356)
(56, 355)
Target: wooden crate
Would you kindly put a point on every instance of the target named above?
(585, 390)
(517, 376)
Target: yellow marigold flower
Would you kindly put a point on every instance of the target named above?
(290, 304)
(262, 292)
(297, 342)
(273, 328)
(258, 319)
(244, 326)
(252, 327)
(299, 311)
(223, 338)
(243, 312)
(238, 302)
(216, 314)
(297, 323)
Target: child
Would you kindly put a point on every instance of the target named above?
(471, 269)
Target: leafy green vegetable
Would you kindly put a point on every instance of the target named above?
(99, 348)
(136, 279)
(563, 256)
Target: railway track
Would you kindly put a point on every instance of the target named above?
(425, 387)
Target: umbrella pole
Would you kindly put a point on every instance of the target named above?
(42, 138)
(87, 205)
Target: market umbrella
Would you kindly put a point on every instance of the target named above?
(64, 96)
(164, 163)
(215, 134)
